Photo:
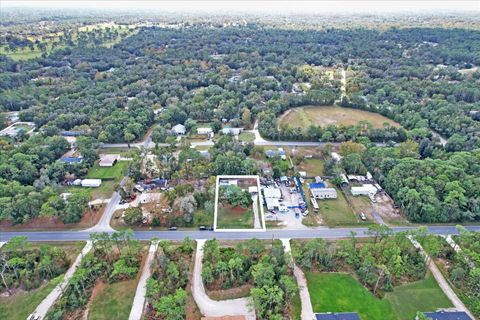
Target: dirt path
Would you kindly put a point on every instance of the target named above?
(212, 308)
(48, 302)
(139, 300)
(442, 282)
(307, 309)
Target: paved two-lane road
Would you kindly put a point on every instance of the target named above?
(326, 233)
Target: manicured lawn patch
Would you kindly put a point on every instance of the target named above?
(423, 295)
(21, 305)
(339, 292)
(328, 115)
(234, 219)
(115, 172)
(114, 301)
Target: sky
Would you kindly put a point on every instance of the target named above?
(272, 6)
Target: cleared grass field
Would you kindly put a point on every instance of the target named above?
(331, 115)
(234, 219)
(337, 212)
(114, 301)
(423, 295)
(313, 167)
(246, 137)
(21, 305)
(339, 292)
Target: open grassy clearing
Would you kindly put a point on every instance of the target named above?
(246, 137)
(337, 212)
(339, 292)
(234, 219)
(21, 305)
(313, 167)
(423, 295)
(116, 172)
(113, 301)
(331, 115)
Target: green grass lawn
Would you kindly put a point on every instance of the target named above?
(116, 172)
(227, 219)
(21, 305)
(114, 301)
(246, 137)
(338, 292)
(337, 212)
(423, 295)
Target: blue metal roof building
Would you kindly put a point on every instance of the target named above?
(317, 185)
(337, 316)
(72, 159)
(447, 315)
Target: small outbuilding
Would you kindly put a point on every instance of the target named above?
(204, 131)
(91, 183)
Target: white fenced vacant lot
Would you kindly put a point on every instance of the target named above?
(229, 219)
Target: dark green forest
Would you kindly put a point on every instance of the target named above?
(200, 73)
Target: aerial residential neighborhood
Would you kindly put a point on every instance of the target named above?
(239, 160)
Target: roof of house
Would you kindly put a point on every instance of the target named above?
(234, 131)
(448, 315)
(273, 153)
(179, 128)
(337, 316)
(71, 159)
(108, 159)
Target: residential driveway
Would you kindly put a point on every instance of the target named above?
(307, 309)
(212, 308)
(139, 300)
(437, 274)
(48, 302)
(256, 214)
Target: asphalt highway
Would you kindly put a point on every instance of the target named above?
(325, 233)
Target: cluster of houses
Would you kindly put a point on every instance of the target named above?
(181, 130)
(13, 129)
(276, 153)
(364, 185)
